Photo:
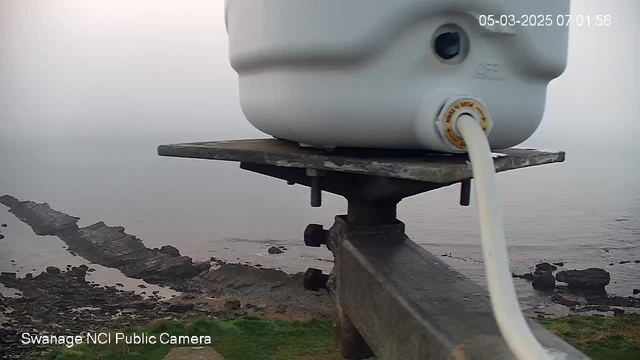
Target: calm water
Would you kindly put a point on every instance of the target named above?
(584, 212)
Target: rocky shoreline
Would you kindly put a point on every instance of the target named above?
(57, 301)
(112, 247)
(584, 292)
(64, 301)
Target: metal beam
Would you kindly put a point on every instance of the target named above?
(407, 304)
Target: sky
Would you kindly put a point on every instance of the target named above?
(160, 69)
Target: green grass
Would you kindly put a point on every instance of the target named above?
(241, 339)
(258, 339)
(599, 337)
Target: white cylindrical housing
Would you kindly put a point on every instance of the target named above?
(370, 73)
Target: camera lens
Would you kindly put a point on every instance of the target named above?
(447, 45)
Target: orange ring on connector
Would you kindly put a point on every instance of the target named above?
(456, 107)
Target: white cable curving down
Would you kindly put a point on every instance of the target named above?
(506, 309)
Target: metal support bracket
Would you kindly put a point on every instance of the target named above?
(393, 298)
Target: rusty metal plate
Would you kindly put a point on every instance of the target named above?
(400, 164)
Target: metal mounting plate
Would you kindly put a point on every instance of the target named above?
(401, 164)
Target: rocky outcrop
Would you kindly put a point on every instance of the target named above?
(545, 267)
(589, 279)
(544, 281)
(170, 250)
(559, 299)
(622, 301)
(106, 245)
(111, 246)
(41, 217)
(265, 287)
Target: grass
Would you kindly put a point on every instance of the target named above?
(241, 339)
(257, 339)
(599, 337)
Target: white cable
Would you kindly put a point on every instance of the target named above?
(506, 309)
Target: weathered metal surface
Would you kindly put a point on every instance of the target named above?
(399, 164)
(407, 304)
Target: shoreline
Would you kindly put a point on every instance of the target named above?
(213, 288)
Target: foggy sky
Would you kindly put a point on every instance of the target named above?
(159, 68)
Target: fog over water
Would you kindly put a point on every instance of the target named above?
(88, 89)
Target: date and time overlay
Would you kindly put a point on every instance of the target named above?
(545, 20)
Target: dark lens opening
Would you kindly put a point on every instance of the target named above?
(447, 45)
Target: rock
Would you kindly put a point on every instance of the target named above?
(78, 273)
(592, 278)
(142, 286)
(1, 236)
(637, 261)
(559, 263)
(42, 219)
(52, 270)
(621, 301)
(527, 276)
(109, 246)
(91, 270)
(156, 292)
(239, 312)
(544, 281)
(83, 266)
(544, 267)
(625, 262)
(120, 284)
(7, 274)
(618, 312)
(251, 306)
(610, 264)
(180, 307)
(274, 250)
(230, 305)
(4, 225)
(201, 267)
(636, 291)
(28, 276)
(170, 250)
(564, 301)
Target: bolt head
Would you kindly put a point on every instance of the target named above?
(315, 235)
(314, 279)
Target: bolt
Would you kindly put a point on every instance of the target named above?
(316, 192)
(316, 186)
(315, 280)
(315, 235)
(465, 192)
